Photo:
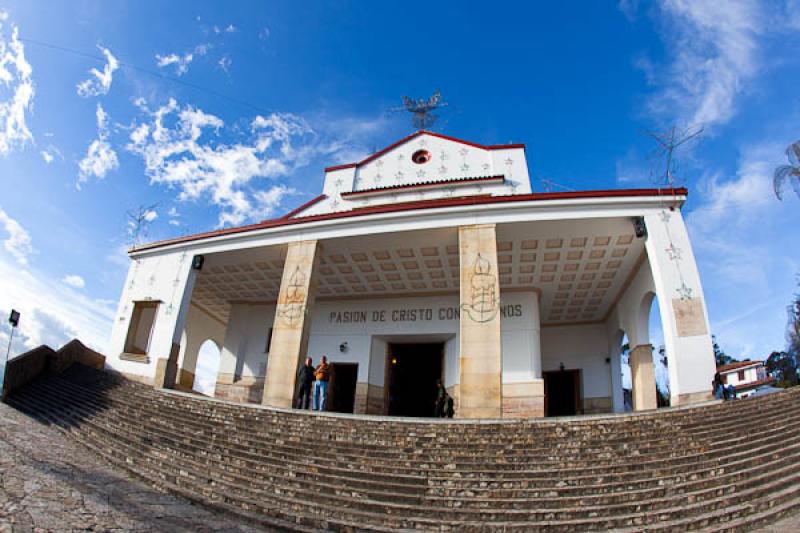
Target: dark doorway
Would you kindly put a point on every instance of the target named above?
(342, 387)
(562, 392)
(412, 371)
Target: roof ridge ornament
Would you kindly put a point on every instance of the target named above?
(422, 109)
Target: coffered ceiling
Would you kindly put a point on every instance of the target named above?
(578, 267)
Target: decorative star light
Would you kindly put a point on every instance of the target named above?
(684, 292)
(665, 216)
(423, 141)
(674, 252)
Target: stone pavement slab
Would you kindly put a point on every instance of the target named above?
(49, 483)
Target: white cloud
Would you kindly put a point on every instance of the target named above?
(100, 157)
(181, 62)
(748, 252)
(52, 313)
(224, 63)
(100, 82)
(16, 90)
(73, 280)
(150, 215)
(48, 158)
(264, 33)
(714, 51)
(18, 240)
(180, 149)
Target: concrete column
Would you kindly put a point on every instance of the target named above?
(643, 378)
(292, 322)
(684, 316)
(481, 354)
(175, 314)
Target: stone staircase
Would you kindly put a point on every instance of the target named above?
(717, 467)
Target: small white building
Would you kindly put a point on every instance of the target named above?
(745, 376)
(430, 259)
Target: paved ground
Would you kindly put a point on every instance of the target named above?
(48, 483)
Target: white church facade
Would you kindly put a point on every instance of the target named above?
(430, 260)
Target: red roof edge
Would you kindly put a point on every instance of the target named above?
(305, 206)
(417, 134)
(444, 183)
(419, 204)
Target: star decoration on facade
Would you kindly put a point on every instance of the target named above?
(423, 141)
(338, 183)
(674, 252)
(169, 309)
(684, 292)
(665, 216)
(379, 163)
(464, 167)
(420, 173)
(463, 152)
(378, 177)
(485, 167)
(443, 156)
(442, 169)
(514, 185)
(335, 204)
(509, 162)
(400, 157)
(399, 175)
(151, 279)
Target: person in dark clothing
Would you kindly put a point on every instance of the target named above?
(441, 402)
(449, 409)
(305, 379)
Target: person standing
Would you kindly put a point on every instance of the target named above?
(322, 375)
(441, 400)
(305, 379)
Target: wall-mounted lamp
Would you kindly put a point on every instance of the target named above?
(561, 367)
(608, 360)
(639, 227)
(343, 347)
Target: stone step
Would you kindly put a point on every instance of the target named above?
(528, 456)
(492, 513)
(722, 465)
(257, 458)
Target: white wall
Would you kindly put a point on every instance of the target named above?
(243, 351)
(200, 326)
(581, 346)
(367, 325)
(750, 375)
(163, 277)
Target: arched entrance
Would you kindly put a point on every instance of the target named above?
(206, 368)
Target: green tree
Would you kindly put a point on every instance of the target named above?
(719, 355)
(783, 366)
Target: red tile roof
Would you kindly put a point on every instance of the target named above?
(736, 365)
(417, 134)
(754, 384)
(418, 205)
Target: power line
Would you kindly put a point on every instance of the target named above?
(126, 65)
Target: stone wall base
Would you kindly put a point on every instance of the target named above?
(133, 377)
(360, 404)
(185, 380)
(693, 397)
(374, 404)
(523, 400)
(247, 389)
(598, 405)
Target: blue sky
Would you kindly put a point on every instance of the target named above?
(226, 113)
